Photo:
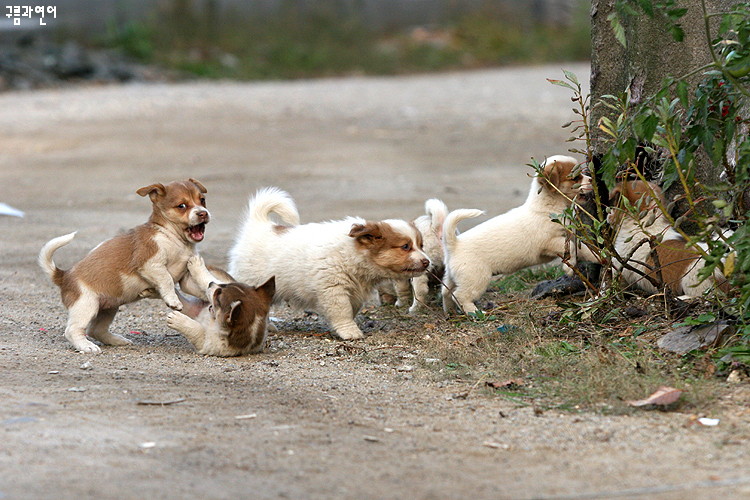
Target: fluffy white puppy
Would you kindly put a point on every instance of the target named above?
(523, 237)
(329, 267)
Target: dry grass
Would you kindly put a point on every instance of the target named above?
(531, 352)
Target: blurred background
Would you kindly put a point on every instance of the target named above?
(122, 40)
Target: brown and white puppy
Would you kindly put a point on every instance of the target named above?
(523, 237)
(234, 319)
(678, 264)
(430, 225)
(121, 270)
(328, 267)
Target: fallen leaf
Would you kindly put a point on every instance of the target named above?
(664, 396)
(508, 384)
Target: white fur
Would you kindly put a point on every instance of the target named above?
(317, 266)
(522, 237)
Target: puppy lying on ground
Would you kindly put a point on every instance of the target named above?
(234, 320)
(678, 265)
(430, 226)
(523, 237)
(329, 267)
(153, 255)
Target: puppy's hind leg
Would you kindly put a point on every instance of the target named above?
(99, 328)
(449, 303)
(80, 315)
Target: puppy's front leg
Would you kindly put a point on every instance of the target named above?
(338, 309)
(191, 329)
(158, 276)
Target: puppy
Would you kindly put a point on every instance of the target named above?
(329, 267)
(430, 225)
(678, 265)
(123, 269)
(523, 237)
(234, 320)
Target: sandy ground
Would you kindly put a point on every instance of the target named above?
(318, 420)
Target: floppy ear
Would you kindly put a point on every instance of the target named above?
(268, 288)
(154, 191)
(200, 186)
(366, 234)
(550, 176)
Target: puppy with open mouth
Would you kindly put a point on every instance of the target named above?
(329, 267)
(146, 260)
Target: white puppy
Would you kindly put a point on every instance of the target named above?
(330, 267)
(523, 237)
(678, 265)
(430, 225)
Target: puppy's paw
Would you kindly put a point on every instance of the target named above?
(414, 309)
(350, 333)
(177, 321)
(173, 303)
(87, 347)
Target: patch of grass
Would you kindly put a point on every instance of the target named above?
(327, 40)
(595, 364)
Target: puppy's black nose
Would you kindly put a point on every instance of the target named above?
(202, 215)
(425, 263)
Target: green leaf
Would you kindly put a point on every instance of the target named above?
(617, 28)
(561, 83)
(682, 92)
(571, 76)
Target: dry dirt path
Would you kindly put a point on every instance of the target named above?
(320, 421)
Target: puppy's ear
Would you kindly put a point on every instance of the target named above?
(234, 313)
(366, 234)
(154, 191)
(201, 188)
(550, 175)
(267, 289)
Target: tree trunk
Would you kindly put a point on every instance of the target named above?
(650, 56)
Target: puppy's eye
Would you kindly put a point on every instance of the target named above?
(203, 202)
(406, 247)
(182, 206)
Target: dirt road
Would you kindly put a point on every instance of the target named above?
(311, 418)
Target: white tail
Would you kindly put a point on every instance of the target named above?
(438, 211)
(451, 221)
(49, 248)
(272, 200)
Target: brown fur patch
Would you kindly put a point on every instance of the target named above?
(387, 247)
(279, 229)
(103, 268)
(559, 175)
(675, 260)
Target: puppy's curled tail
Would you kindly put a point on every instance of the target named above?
(450, 238)
(45, 257)
(437, 211)
(272, 200)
